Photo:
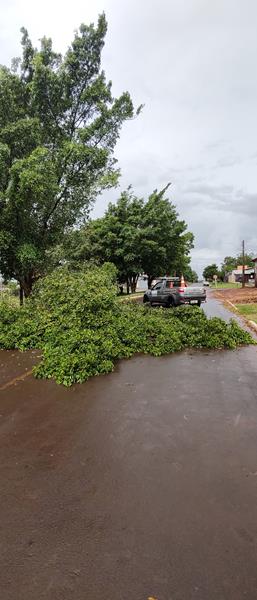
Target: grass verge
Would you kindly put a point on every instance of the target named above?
(224, 286)
(249, 311)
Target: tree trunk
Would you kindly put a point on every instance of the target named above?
(133, 283)
(21, 295)
(26, 284)
(27, 291)
(150, 279)
(127, 282)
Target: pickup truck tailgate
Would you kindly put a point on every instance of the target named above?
(194, 293)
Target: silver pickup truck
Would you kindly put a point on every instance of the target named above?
(168, 291)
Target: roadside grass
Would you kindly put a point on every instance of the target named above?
(140, 292)
(129, 297)
(248, 310)
(222, 286)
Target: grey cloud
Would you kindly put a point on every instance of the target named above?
(216, 144)
(228, 162)
(207, 189)
(222, 198)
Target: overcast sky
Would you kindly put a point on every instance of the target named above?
(193, 64)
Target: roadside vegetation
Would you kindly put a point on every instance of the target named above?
(221, 285)
(77, 321)
(249, 311)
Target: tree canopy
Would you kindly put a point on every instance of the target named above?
(59, 124)
(190, 275)
(137, 236)
(210, 271)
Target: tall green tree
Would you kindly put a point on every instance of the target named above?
(115, 238)
(59, 124)
(229, 263)
(166, 243)
(137, 236)
(248, 259)
(190, 275)
(210, 271)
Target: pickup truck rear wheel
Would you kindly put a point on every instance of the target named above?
(171, 302)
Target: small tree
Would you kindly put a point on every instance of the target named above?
(190, 275)
(210, 271)
(59, 124)
(229, 263)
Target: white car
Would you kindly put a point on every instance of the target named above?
(206, 283)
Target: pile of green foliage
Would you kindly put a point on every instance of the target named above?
(82, 328)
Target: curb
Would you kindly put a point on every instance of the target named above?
(252, 324)
(233, 305)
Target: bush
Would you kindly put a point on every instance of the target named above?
(82, 328)
(12, 288)
(9, 316)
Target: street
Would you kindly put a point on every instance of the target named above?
(141, 483)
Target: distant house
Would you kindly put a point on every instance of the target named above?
(142, 283)
(236, 275)
(255, 270)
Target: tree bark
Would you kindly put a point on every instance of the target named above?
(26, 284)
(150, 279)
(21, 295)
(127, 282)
(133, 283)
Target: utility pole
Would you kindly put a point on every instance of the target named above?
(243, 256)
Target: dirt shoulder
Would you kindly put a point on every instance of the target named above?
(237, 296)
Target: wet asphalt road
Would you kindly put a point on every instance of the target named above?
(213, 308)
(136, 484)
